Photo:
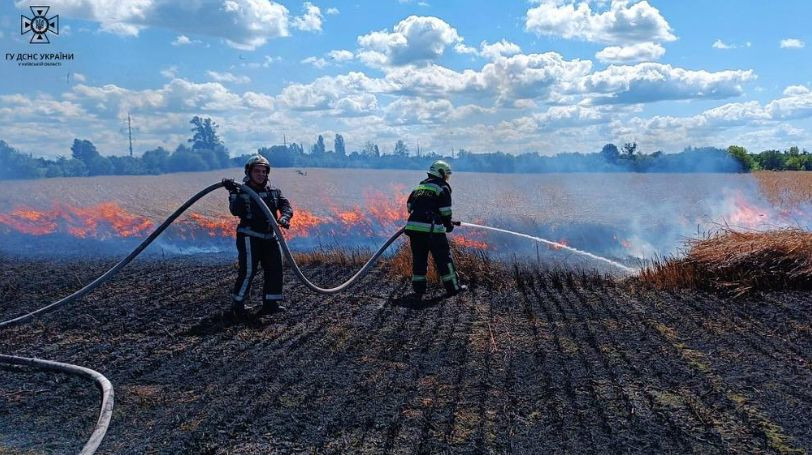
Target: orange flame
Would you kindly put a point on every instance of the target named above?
(95, 221)
(745, 214)
(467, 242)
(380, 215)
(557, 247)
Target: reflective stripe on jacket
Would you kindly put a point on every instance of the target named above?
(429, 206)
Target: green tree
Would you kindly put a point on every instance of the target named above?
(610, 153)
(154, 161)
(339, 145)
(370, 150)
(205, 134)
(629, 149)
(744, 159)
(318, 148)
(401, 149)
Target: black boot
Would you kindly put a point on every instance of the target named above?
(271, 307)
(460, 289)
(238, 310)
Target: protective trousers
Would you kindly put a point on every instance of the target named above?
(423, 243)
(253, 251)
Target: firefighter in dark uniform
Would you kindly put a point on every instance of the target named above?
(256, 241)
(429, 207)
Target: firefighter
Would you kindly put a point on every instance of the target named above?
(256, 241)
(429, 207)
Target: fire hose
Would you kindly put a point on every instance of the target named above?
(102, 382)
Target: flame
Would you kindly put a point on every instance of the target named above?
(745, 214)
(467, 242)
(98, 221)
(376, 218)
(557, 247)
(623, 242)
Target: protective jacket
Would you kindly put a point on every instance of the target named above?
(252, 220)
(429, 207)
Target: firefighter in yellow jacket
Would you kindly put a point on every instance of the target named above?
(429, 207)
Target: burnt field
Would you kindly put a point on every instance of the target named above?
(550, 361)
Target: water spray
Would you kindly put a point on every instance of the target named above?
(551, 243)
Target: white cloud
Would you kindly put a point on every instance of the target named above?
(311, 20)
(243, 24)
(796, 90)
(331, 92)
(79, 77)
(502, 48)
(340, 55)
(410, 110)
(640, 52)
(650, 82)
(531, 76)
(719, 44)
(792, 43)
(176, 96)
(318, 62)
(755, 124)
(19, 108)
(228, 77)
(183, 40)
(333, 11)
(416, 39)
(461, 48)
(621, 24)
(170, 72)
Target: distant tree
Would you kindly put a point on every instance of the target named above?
(318, 148)
(155, 161)
(770, 160)
(339, 145)
(744, 159)
(205, 134)
(401, 149)
(629, 150)
(127, 165)
(610, 153)
(370, 150)
(15, 165)
(185, 159)
(279, 155)
(84, 150)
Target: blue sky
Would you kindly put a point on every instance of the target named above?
(546, 76)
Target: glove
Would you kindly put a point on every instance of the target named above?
(284, 222)
(231, 185)
(449, 227)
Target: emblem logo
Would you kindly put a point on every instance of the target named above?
(40, 25)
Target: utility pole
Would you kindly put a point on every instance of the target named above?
(284, 140)
(130, 133)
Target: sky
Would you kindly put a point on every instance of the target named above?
(544, 76)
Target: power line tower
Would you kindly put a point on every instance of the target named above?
(130, 133)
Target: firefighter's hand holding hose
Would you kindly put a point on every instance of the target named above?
(284, 222)
(231, 185)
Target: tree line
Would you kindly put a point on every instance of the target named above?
(204, 150)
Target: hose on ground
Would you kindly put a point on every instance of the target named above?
(104, 385)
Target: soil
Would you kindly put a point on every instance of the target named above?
(552, 361)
